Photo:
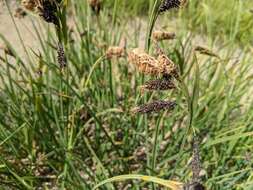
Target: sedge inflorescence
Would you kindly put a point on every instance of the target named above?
(46, 9)
(170, 4)
(160, 66)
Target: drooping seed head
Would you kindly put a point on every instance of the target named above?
(115, 51)
(155, 106)
(205, 51)
(160, 36)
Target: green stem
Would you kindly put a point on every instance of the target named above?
(92, 70)
(153, 18)
(115, 8)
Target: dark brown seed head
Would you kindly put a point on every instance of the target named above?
(196, 164)
(61, 57)
(48, 11)
(155, 106)
(158, 84)
(170, 4)
(119, 136)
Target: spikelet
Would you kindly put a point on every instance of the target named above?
(196, 165)
(170, 4)
(133, 55)
(155, 106)
(160, 36)
(158, 84)
(61, 57)
(48, 11)
(166, 64)
(205, 51)
(115, 51)
(196, 168)
(29, 4)
(146, 64)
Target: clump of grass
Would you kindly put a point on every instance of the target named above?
(73, 129)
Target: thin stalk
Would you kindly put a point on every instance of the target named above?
(153, 18)
(111, 84)
(115, 8)
(154, 152)
(92, 70)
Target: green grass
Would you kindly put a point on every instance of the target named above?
(62, 130)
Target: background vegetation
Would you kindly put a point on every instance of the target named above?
(66, 130)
